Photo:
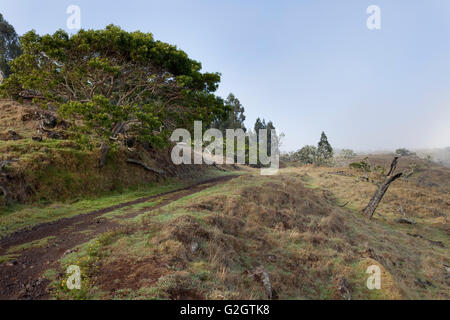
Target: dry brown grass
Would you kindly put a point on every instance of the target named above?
(310, 247)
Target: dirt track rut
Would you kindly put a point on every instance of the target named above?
(22, 277)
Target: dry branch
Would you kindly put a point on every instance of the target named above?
(146, 167)
(261, 274)
(369, 210)
(393, 166)
(343, 205)
(217, 167)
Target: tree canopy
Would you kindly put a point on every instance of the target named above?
(112, 78)
(306, 155)
(9, 45)
(324, 149)
(315, 155)
(404, 152)
(234, 118)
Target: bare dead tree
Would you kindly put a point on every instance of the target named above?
(393, 166)
(369, 210)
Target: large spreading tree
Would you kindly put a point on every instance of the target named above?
(111, 80)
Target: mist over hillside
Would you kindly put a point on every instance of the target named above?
(438, 155)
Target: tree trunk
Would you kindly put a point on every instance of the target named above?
(104, 149)
(5, 195)
(369, 210)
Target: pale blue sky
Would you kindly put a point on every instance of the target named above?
(306, 65)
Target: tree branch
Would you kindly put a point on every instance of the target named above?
(369, 210)
(146, 167)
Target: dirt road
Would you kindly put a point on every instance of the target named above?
(22, 277)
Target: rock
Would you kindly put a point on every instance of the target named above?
(37, 138)
(11, 263)
(54, 135)
(29, 94)
(447, 268)
(49, 120)
(415, 235)
(194, 246)
(10, 135)
(405, 220)
(344, 289)
(5, 163)
(437, 243)
(30, 116)
(423, 284)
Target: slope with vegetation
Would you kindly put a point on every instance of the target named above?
(86, 179)
(243, 240)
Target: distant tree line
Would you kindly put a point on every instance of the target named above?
(404, 152)
(310, 154)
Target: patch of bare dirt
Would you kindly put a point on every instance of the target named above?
(127, 273)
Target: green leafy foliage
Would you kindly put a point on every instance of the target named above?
(261, 124)
(234, 117)
(105, 79)
(363, 165)
(324, 149)
(347, 153)
(306, 155)
(404, 152)
(9, 46)
(314, 155)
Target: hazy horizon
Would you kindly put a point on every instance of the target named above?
(307, 66)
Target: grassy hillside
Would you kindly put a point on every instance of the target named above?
(296, 235)
(39, 166)
(218, 243)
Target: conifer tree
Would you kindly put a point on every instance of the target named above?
(324, 149)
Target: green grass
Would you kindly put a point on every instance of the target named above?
(86, 256)
(33, 244)
(18, 217)
(177, 208)
(7, 257)
(116, 214)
